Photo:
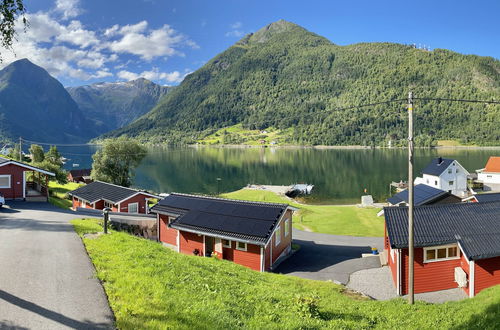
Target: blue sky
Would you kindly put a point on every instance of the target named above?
(86, 41)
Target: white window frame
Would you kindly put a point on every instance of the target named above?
(287, 227)
(277, 236)
(228, 245)
(108, 204)
(10, 181)
(441, 247)
(128, 207)
(238, 246)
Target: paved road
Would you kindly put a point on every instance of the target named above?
(46, 278)
(330, 257)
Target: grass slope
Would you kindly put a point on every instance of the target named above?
(328, 219)
(236, 134)
(58, 193)
(151, 287)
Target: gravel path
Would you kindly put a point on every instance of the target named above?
(46, 278)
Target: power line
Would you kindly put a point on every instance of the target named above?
(62, 144)
(456, 100)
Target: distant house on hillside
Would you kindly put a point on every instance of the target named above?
(424, 195)
(490, 175)
(456, 245)
(255, 235)
(445, 174)
(80, 175)
(99, 195)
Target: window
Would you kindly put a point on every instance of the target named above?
(277, 236)
(427, 181)
(439, 253)
(451, 183)
(226, 243)
(435, 183)
(108, 205)
(133, 208)
(4, 181)
(287, 227)
(241, 246)
(449, 171)
(456, 171)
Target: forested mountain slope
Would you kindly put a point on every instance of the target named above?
(283, 76)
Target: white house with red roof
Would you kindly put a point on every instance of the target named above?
(490, 175)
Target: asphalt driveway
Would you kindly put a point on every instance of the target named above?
(330, 257)
(46, 278)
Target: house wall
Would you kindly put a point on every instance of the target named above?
(392, 259)
(141, 199)
(285, 242)
(431, 276)
(167, 235)
(16, 181)
(249, 258)
(188, 242)
(487, 273)
(459, 179)
(464, 264)
(490, 177)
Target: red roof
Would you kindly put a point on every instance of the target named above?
(493, 165)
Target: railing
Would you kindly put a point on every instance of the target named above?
(35, 186)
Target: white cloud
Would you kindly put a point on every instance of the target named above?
(68, 8)
(236, 30)
(154, 74)
(148, 44)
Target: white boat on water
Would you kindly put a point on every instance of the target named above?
(76, 165)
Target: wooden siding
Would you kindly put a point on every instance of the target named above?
(16, 181)
(393, 264)
(249, 258)
(167, 235)
(487, 273)
(285, 242)
(267, 258)
(141, 199)
(431, 276)
(465, 266)
(189, 242)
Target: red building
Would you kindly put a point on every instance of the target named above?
(255, 235)
(456, 245)
(80, 175)
(22, 181)
(99, 195)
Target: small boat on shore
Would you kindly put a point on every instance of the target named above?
(299, 189)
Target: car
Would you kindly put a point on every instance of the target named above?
(2, 200)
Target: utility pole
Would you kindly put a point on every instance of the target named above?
(20, 149)
(410, 199)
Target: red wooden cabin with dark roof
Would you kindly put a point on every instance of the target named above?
(456, 245)
(255, 235)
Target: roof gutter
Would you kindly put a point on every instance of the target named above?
(201, 232)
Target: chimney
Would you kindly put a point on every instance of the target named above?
(440, 160)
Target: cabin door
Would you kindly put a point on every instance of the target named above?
(209, 246)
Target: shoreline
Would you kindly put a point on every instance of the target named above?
(326, 147)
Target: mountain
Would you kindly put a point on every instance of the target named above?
(115, 105)
(36, 106)
(285, 77)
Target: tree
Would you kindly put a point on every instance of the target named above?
(10, 11)
(54, 157)
(37, 153)
(116, 161)
(50, 161)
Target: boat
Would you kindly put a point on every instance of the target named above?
(299, 189)
(76, 165)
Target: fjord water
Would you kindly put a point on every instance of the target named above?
(340, 176)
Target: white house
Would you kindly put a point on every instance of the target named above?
(445, 174)
(490, 175)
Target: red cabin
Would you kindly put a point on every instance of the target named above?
(255, 235)
(456, 245)
(80, 175)
(99, 195)
(22, 181)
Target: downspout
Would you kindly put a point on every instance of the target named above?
(398, 272)
(472, 278)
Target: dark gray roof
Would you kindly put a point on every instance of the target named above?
(98, 190)
(4, 160)
(422, 194)
(241, 220)
(475, 226)
(491, 197)
(80, 172)
(437, 166)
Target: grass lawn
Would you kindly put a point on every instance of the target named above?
(58, 193)
(152, 287)
(328, 219)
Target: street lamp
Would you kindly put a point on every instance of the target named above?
(218, 186)
(105, 213)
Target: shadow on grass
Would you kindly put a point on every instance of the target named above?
(488, 319)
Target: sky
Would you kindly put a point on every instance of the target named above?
(86, 41)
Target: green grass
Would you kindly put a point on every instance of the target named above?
(328, 219)
(58, 193)
(152, 287)
(236, 134)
